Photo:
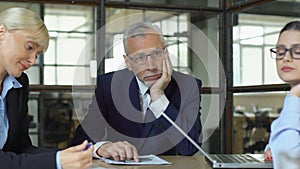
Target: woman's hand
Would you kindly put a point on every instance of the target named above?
(268, 155)
(77, 157)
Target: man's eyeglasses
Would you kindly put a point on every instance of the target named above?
(279, 52)
(142, 57)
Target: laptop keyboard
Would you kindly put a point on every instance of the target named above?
(236, 158)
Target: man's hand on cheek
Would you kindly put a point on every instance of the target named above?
(157, 89)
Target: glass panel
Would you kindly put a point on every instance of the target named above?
(188, 54)
(271, 35)
(56, 116)
(254, 113)
(70, 28)
(150, 1)
(251, 35)
(210, 118)
(196, 3)
(64, 75)
(83, 76)
(257, 31)
(270, 71)
(236, 62)
(269, 18)
(49, 55)
(49, 75)
(31, 6)
(251, 65)
(240, 2)
(33, 75)
(188, 3)
(33, 118)
(69, 50)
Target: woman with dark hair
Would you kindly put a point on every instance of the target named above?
(285, 130)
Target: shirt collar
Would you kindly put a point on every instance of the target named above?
(143, 88)
(8, 83)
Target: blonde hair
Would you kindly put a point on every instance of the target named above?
(23, 19)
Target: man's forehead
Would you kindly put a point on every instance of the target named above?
(146, 50)
(147, 42)
(149, 35)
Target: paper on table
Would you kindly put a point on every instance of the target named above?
(144, 160)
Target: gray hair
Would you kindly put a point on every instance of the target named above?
(140, 29)
(23, 19)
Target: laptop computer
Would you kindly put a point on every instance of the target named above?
(227, 160)
(238, 161)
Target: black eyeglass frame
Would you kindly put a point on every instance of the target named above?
(291, 50)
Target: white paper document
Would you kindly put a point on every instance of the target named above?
(144, 160)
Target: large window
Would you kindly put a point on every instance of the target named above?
(192, 38)
(192, 41)
(188, 3)
(179, 29)
(70, 28)
(241, 32)
(252, 39)
(256, 30)
(174, 28)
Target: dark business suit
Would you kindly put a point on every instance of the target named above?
(117, 96)
(18, 151)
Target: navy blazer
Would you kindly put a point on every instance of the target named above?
(18, 151)
(115, 115)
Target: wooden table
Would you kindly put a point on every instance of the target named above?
(178, 162)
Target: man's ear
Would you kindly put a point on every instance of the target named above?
(127, 62)
(2, 31)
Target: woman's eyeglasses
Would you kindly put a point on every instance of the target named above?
(279, 52)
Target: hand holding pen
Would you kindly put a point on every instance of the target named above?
(77, 157)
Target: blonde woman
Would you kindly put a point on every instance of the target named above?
(23, 37)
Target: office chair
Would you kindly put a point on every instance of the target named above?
(259, 133)
(58, 123)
